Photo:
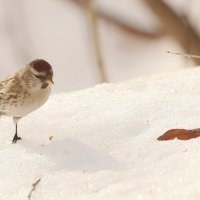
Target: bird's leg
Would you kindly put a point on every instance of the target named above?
(16, 137)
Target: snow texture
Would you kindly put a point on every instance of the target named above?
(104, 143)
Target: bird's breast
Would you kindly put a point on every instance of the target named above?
(29, 103)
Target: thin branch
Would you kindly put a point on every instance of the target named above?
(183, 32)
(33, 188)
(184, 54)
(118, 21)
(93, 21)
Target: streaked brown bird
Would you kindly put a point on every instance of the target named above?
(25, 91)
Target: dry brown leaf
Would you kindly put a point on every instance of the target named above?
(181, 134)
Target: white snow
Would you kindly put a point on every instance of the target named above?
(104, 143)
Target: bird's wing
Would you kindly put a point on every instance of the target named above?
(1, 98)
(1, 86)
(4, 94)
(4, 85)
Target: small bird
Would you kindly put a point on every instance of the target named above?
(25, 91)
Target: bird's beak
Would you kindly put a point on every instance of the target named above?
(49, 81)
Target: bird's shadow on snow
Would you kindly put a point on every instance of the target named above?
(73, 155)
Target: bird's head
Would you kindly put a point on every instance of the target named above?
(42, 72)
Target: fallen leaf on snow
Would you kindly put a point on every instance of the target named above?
(181, 134)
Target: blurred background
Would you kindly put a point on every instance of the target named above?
(93, 41)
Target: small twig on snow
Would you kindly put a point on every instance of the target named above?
(33, 188)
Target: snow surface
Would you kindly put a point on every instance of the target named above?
(104, 143)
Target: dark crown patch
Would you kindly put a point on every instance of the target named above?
(41, 65)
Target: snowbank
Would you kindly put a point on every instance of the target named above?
(104, 143)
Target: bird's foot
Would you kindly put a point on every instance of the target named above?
(15, 139)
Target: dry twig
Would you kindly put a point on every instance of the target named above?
(177, 27)
(33, 188)
(93, 21)
(120, 22)
(184, 54)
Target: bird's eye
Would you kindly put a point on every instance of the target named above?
(38, 76)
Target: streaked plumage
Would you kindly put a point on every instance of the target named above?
(25, 91)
